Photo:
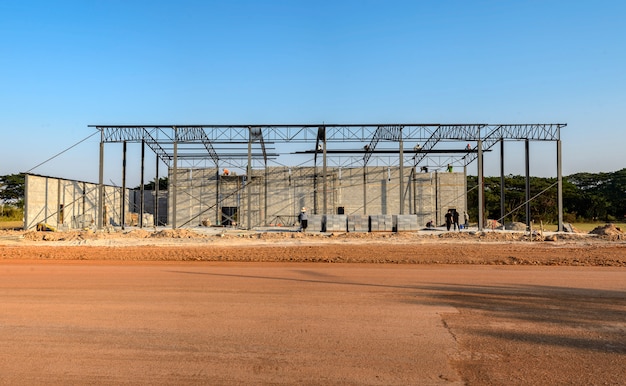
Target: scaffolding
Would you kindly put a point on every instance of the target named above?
(253, 147)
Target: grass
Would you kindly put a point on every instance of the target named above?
(581, 226)
(11, 224)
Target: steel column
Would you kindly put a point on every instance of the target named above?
(559, 179)
(527, 189)
(123, 199)
(141, 203)
(325, 171)
(481, 187)
(502, 190)
(401, 146)
(364, 189)
(218, 219)
(100, 214)
(173, 186)
(265, 190)
(249, 178)
(156, 193)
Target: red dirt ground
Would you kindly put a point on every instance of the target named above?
(514, 311)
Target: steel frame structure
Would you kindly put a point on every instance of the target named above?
(243, 145)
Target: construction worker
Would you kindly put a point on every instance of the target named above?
(303, 220)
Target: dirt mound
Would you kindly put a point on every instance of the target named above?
(609, 231)
(177, 234)
(138, 234)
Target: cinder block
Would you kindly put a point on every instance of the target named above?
(405, 222)
(381, 223)
(336, 223)
(315, 223)
(358, 223)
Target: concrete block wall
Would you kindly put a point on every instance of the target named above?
(68, 204)
(336, 223)
(276, 195)
(358, 223)
(381, 223)
(406, 222)
(315, 223)
(148, 205)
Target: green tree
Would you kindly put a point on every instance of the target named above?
(163, 184)
(12, 189)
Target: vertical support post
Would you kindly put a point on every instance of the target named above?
(502, 179)
(249, 178)
(527, 168)
(314, 184)
(465, 186)
(414, 182)
(123, 195)
(325, 171)
(437, 211)
(410, 191)
(59, 215)
(173, 186)
(100, 214)
(267, 174)
(141, 202)
(218, 219)
(559, 186)
(401, 160)
(364, 189)
(156, 193)
(84, 199)
(26, 223)
(481, 187)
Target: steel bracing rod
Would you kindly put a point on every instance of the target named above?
(494, 136)
(387, 132)
(195, 134)
(137, 134)
(449, 132)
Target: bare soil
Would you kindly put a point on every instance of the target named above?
(559, 320)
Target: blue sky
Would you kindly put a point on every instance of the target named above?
(67, 64)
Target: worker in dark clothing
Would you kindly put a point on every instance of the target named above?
(455, 219)
(449, 219)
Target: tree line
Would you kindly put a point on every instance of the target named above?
(586, 196)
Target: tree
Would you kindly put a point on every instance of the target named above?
(12, 189)
(163, 184)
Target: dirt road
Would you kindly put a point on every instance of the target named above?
(294, 311)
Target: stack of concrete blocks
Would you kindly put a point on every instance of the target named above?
(336, 223)
(381, 223)
(406, 222)
(315, 223)
(358, 223)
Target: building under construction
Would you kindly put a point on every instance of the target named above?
(355, 177)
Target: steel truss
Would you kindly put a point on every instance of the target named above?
(245, 145)
(218, 142)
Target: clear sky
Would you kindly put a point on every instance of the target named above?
(67, 64)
